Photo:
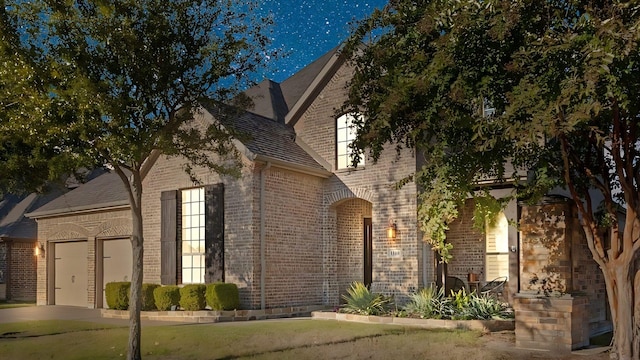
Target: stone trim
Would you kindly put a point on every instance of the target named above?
(345, 194)
(210, 316)
(477, 325)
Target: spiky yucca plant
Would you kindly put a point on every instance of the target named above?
(363, 302)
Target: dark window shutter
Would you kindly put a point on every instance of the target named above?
(214, 233)
(168, 236)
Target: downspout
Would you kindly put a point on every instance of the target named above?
(263, 260)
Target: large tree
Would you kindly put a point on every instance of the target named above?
(546, 91)
(117, 82)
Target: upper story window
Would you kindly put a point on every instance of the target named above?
(345, 134)
(487, 108)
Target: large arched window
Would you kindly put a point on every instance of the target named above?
(345, 134)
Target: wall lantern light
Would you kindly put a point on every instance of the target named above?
(39, 250)
(392, 230)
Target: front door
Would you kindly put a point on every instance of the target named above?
(368, 252)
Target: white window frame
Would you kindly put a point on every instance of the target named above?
(345, 135)
(193, 235)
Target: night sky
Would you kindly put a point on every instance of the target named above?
(307, 29)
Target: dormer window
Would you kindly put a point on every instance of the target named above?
(487, 108)
(345, 135)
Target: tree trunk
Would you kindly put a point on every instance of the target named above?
(135, 298)
(621, 301)
(137, 242)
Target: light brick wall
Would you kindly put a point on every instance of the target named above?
(240, 229)
(294, 250)
(350, 246)
(469, 247)
(374, 183)
(555, 324)
(588, 279)
(86, 227)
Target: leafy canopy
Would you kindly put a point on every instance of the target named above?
(109, 82)
(562, 80)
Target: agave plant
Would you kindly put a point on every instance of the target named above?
(486, 308)
(363, 302)
(430, 303)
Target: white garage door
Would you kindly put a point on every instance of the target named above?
(116, 263)
(71, 273)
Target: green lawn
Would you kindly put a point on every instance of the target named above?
(299, 339)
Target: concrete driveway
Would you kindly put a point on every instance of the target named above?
(59, 312)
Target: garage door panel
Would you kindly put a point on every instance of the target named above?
(71, 273)
(117, 263)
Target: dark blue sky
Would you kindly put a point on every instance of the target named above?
(306, 29)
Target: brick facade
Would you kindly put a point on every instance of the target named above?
(311, 227)
(554, 249)
(18, 270)
(91, 227)
(399, 266)
(468, 246)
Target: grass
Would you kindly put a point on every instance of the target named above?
(299, 339)
(9, 305)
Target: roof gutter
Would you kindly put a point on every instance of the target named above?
(293, 167)
(114, 205)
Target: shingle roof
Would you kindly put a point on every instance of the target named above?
(273, 100)
(104, 191)
(272, 140)
(268, 100)
(294, 86)
(268, 136)
(13, 223)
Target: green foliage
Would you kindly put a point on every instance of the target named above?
(429, 303)
(485, 308)
(223, 296)
(192, 297)
(562, 81)
(117, 294)
(359, 300)
(460, 299)
(148, 300)
(114, 82)
(166, 296)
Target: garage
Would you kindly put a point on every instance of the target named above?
(116, 263)
(71, 273)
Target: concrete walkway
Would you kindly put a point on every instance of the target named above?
(59, 312)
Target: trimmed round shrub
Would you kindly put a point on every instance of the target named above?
(192, 297)
(148, 300)
(117, 294)
(166, 296)
(223, 296)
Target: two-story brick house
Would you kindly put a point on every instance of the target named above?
(296, 229)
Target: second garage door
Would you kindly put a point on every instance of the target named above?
(71, 273)
(116, 262)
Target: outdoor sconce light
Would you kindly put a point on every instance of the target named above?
(39, 250)
(392, 230)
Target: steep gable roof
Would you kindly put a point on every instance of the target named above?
(268, 100)
(268, 140)
(294, 87)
